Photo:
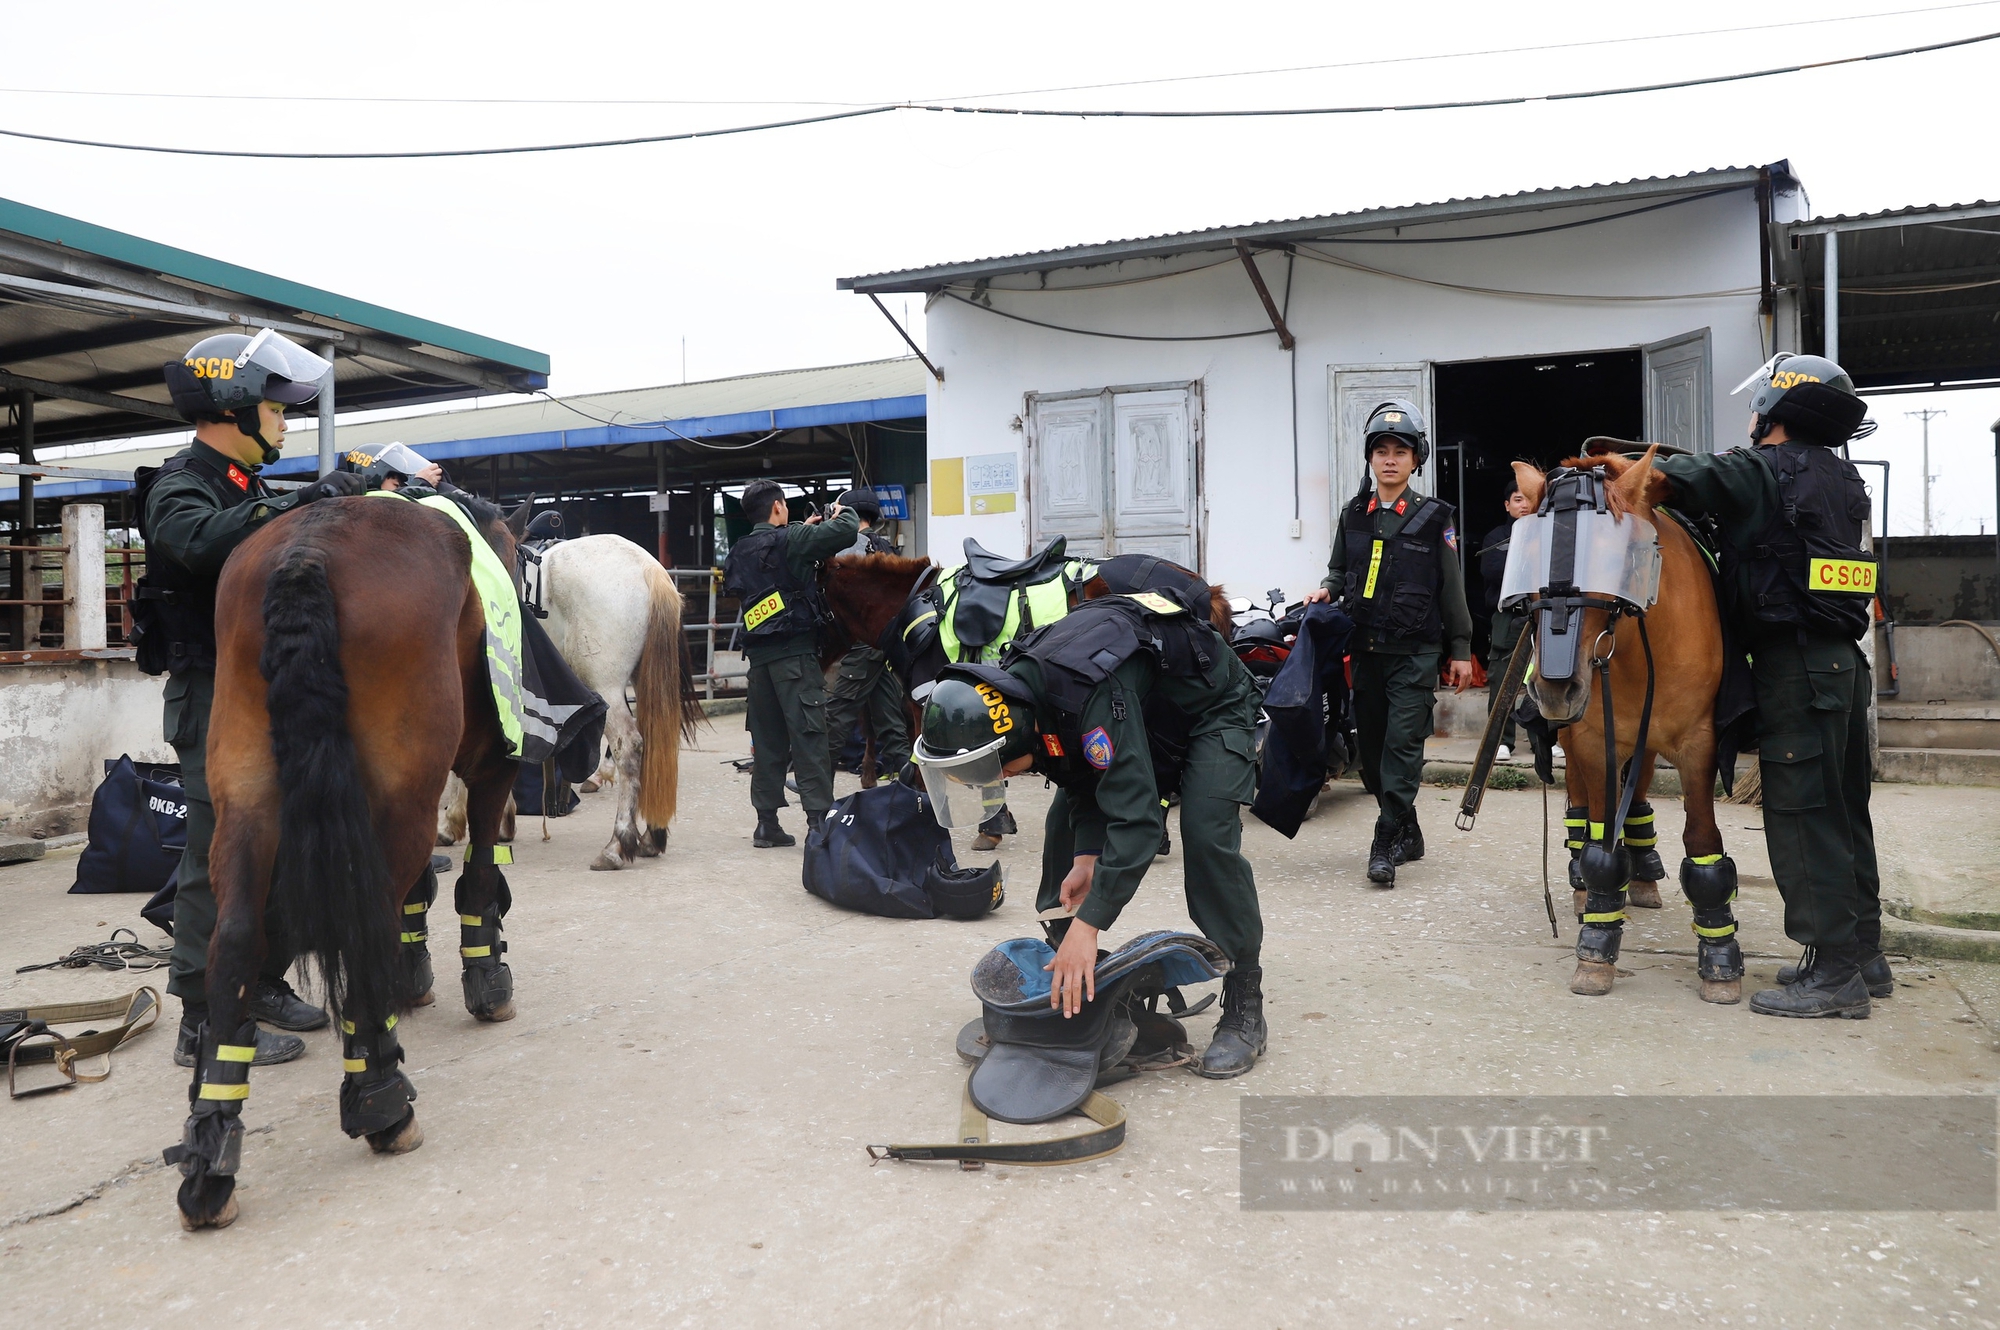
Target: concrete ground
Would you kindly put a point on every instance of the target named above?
(671, 1133)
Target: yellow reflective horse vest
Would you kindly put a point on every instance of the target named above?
(495, 585)
(1044, 602)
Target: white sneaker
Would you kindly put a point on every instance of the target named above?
(1503, 754)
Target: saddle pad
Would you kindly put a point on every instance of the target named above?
(1012, 976)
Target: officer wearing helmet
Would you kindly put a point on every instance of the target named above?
(194, 509)
(1395, 570)
(864, 684)
(1799, 582)
(1114, 702)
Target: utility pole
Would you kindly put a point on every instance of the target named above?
(1927, 415)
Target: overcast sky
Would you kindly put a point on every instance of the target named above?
(608, 259)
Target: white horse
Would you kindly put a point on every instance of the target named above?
(616, 617)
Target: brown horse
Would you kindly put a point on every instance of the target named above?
(1685, 631)
(351, 676)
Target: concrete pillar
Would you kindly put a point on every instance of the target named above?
(83, 576)
(1830, 341)
(328, 458)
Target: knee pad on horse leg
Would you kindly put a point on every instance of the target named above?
(1605, 870)
(1643, 838)
(1709, 883)
(212, 1138)
(376, 1094)
(488, 982)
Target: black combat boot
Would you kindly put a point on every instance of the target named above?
(1831, 986)
(769, 835)
(1875, 973)
(1382, 854)
(272, 1048)
(1410, 844)
(273, 1002)
(1240, 1036)
(1166, 845)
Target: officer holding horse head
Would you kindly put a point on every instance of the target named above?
(1798, 583)
(1125, 697)
(194, 509)
(864, 684)
(774, 575)
(1395, 569)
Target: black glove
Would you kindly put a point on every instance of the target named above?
(335, 485)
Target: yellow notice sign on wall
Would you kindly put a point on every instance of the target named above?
(992, 503)
(948, 487)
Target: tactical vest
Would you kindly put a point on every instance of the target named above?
(173, 608)
(1028, 608)
(1392, 583)
(773, 602)
(1127, 573)
(1808, 568)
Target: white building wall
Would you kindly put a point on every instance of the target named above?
(58, 724)
(1340, 317)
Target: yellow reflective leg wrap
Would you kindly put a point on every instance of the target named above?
(414, 927)
(222, 1071)
(375, 1095)
(479, 936)
(1639, 832)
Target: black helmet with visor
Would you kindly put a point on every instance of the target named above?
(224, 377)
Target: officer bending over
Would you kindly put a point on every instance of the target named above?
(773, 572)
(1070, 702)
(865, 685)
(1507, 624)
(194, 509)
(1798, 582)
(1395, 570)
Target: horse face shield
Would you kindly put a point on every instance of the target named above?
(1574, 553)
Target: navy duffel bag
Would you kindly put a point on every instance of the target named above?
(138, 828)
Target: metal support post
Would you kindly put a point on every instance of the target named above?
(83, 576)
(327, 455)
(1830, 336)
(660, 490)
(714, 579)
(25, 565)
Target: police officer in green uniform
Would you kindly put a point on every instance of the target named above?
(1099, 702)
(1507, 624)
(773, 573)
(194, 509)
(1798, 583)
(864, 684)
(1395, 569)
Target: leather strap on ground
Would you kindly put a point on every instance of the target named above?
(973, 1147)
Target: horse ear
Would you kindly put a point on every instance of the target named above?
(1531, 481)
(517, 521)
(1637, 487)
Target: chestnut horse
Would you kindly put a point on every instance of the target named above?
(351, 676)
(1685, 631)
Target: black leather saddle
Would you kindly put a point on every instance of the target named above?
(982, 589)
(1033, 1064)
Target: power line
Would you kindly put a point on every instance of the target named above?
(962, 109)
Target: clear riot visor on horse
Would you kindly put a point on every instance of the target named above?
(965, 788)
(1571, 553)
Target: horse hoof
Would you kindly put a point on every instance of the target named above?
(397, 1140)
(985, 844)
(646, 849)
(1593, 978)
(589, 787)
(1726, 992)
(606, 862)
(1645, 895)
(424, 999)
(503, 1012)
(223, 1218)
(443, 839)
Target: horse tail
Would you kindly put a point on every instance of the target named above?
(331, 884)
(668, 706)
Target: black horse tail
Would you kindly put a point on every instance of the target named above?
(332, 884)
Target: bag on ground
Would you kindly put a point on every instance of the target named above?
(874, 851)
(138, 828)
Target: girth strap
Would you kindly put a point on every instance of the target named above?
(30, 1041)
(973, 1149)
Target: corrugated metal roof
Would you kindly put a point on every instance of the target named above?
(874, 390)
(1307, 228)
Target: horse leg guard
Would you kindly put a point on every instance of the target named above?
(489, 983)
(418, 979)
(1606, 871)
(375, 1098)
(211, 1147)
(1643, 839)
(1576, 826)
(1709, 883)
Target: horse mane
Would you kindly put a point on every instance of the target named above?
(1657, 489)
(891, 564)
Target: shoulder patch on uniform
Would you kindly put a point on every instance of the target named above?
(237, 478)
(1052, 745)
(1097, 749)
(1451, 536)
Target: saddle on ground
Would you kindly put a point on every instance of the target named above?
(1037, 1065)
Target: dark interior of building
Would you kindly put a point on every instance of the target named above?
(1540, 409)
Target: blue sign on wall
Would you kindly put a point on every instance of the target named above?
(895, 501)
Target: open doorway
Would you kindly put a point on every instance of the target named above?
(1492, 413)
